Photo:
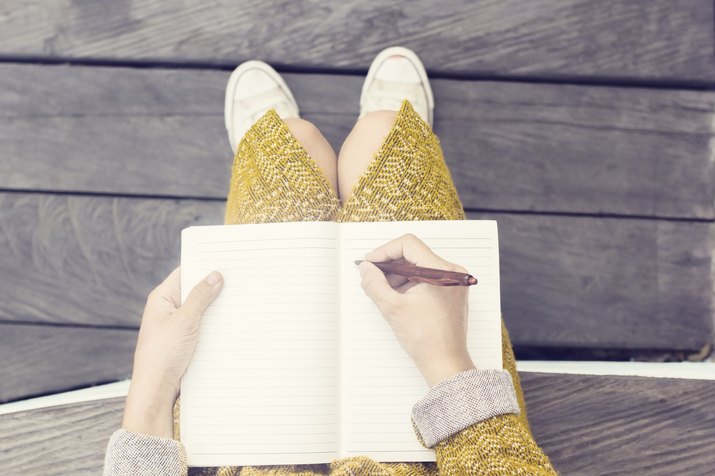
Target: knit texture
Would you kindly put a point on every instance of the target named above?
(136, 454)
(274, 179)
(461, 400)
(407, 179)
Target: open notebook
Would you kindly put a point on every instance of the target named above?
(294, 363)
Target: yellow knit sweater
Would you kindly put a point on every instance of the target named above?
(273, 179)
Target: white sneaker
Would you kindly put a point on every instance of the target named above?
(254, 88)
(397, 74)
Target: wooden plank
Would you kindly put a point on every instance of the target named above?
(67, 439)
(622, 425)
(582, 282)
(510, 146)
(89, 260)
(567, 281)
(561, 148)
(607, 40)
(40, 359)
(644, 425)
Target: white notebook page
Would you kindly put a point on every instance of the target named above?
(235, 410)
(379, 382)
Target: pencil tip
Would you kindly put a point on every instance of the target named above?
(358, 261)
(472, 280)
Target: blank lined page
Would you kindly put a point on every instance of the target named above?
(262, 387)
(380, 384)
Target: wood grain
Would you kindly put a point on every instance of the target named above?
(38, 360)
(652, 40)
(510, 146)
(567, 281)
(606, 425)
(587, 425)
(90, 260)
(581, 282)
(66, 439)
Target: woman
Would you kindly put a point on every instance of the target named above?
(390, 168)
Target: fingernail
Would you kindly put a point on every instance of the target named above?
(213, 278)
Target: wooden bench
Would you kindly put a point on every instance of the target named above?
(584, 128)
(587, 424)
(97, 186)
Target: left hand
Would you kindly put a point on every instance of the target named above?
(166, 343)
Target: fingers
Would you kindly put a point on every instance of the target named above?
(203, 294)
(376, 286)
(171, 286)
(396, 281)
(408, 247)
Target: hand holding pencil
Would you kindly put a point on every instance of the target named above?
(429, 321)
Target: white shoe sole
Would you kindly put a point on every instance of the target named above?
(412, 57)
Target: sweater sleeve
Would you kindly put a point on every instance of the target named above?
(469, 419)
(471, 422)
(135, 454)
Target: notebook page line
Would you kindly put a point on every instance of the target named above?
(239, 356)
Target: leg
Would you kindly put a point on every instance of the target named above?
(282, 171)
(317, 147)
(360, 148)
(274, 177)
(391, 168)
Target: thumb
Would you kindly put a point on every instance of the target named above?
(376, 286)
(203, 294)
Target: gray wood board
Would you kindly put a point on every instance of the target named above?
(607, 425)
(643, 425)
(668, 40)
(38, 359)
(510, 146)
(66, 439)
(90, 260)
(581, 282)
(567, 281)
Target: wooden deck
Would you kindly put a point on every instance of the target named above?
(587, 424)
(584, 128)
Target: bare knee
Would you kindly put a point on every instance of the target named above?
(305, 131)
(360, 147)
(316, 146)
(376, 122)
(368, 133)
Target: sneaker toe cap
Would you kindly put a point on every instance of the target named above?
(398, 69)
(252, 83)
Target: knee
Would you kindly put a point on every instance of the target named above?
(376, 122)
(305, 131)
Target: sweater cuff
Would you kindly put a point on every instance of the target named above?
(130, 453)
(461, 401)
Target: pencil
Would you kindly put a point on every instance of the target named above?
(439, 277)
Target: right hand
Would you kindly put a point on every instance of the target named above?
(430, 322)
